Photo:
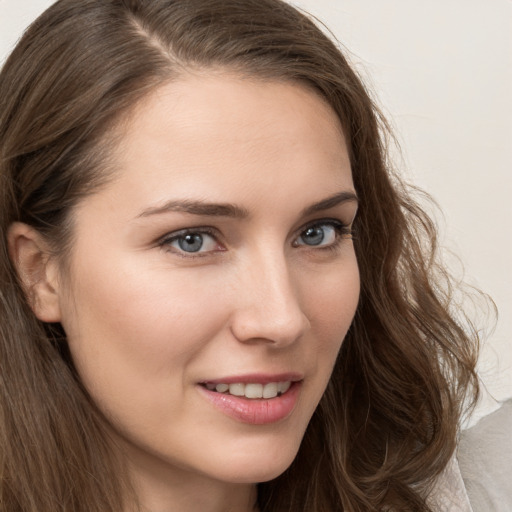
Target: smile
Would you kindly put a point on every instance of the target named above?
(256, 403)
(251, 390)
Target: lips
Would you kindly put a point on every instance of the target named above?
(254, 399)
(252, 390)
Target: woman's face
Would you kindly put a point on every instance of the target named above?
(217, 263)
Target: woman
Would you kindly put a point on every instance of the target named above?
(193, 315)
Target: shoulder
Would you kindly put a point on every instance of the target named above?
(449, 493)
(485, 460)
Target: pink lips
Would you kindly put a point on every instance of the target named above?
(256, 411)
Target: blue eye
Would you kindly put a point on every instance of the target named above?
(322, 234)
(191, 242)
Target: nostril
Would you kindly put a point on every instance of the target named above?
(277, 327)
(269, 306)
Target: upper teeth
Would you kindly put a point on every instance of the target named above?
(270, 390)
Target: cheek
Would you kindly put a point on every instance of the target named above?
(128, 326)
(333, 303)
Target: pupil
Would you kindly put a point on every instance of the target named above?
(191, 243)
(313, 236)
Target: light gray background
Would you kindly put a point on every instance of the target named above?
(442, 70)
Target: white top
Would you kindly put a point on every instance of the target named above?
(449, 494)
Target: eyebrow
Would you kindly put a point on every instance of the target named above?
(198, 208)
(331, 202)
(202, 208)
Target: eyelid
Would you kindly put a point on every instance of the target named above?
(165, 241)
(343, 230)
(342, 227)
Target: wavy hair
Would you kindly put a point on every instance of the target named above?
(388, 422)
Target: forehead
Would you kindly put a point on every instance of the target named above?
(198, 101)
(210, 135)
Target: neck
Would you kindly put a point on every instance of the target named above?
(160, 488)
(171, 498)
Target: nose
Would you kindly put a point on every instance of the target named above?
(268, 304)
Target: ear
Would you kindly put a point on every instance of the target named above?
(36, 269)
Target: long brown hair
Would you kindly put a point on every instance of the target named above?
(387, 424)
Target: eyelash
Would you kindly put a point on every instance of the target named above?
(343, 232)
(167, 240)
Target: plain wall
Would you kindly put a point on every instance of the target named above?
(442, 72)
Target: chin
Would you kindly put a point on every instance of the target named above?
(244, 468)
(257, 474)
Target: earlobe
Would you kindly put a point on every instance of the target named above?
(36, 269)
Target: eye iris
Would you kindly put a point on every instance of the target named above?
(191, 243)
(313, 236)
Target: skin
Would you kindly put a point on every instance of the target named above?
(147, 322)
